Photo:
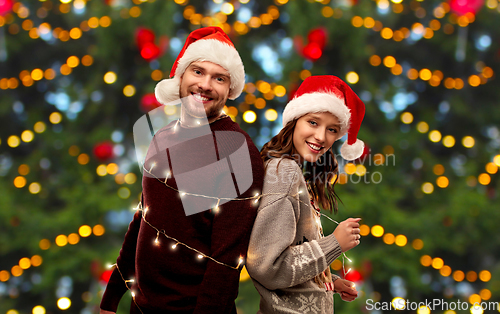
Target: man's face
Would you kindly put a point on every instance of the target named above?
(204, 89)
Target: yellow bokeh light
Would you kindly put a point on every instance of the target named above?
(437, 263)
(474, 298)
(426, 260)
(84, 231)
(471, 276)
(352, 77)
(87, 60)
(4, 276)
(448, 141)
(105, 21)
(425, 74)
(491, 168)
(123, 192)
(417, 244)
(12, 312)
(398, 303)
(389, 61)
(98, 230)
(386, 33)
(485, 275)
(474, 80)
(227, 8)
(130, 178)
(496, 160)
(397, 69)
(83, 159)
(65, 69)
(427, 188)
(101, 170)
(407, 118)
(260, 103)
(458, 275)
(271, 114)
(55, 118)
(350, 168)
(360, 170)
(249, 116)
(263, 87)
(442, 182)
(438, 169)
(61, 240)
(401, 240)
(304, 74)
(375, 60)
(38, 310)
(23, 169)
(27, 136)
(37, 74)
(485, 294)
(364, 230)
(19, 182)
(412, 74)
(445, 271)
(16, 271)
(25, 263)
(435, 136)
(423, 310)
(369, 22)
(35, 188)
(73, 238)
(377, 231)
(484, 179)
(44, 244)
(112, 168)
(422, 127)
(36, 260)
(110, 77)
(13, 141)
(357, 21)
(388, 238)
(39, 127)
(64, 303)
(75, 33)
(73, 61)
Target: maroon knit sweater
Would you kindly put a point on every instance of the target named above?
(170, 280)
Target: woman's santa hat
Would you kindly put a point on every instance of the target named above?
(328, 93)
(204, 44)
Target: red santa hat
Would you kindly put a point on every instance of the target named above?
(328, 93)
(204, 44)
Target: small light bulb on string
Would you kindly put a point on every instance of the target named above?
(130, 280)
(157, 242)
(182, 193)
(111, 265)
(174, 246)
(152, 166)
(133, 294)
(175, 126)
(198, 122)
(200, 256)
(145, 210)
(216, 208)
(258, 197)
(348, 271)
(300, 191)
(241, 260)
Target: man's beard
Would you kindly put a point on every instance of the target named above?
(198, 110)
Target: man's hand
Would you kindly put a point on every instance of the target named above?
(347, 233)
(105, 312)
(346, 289)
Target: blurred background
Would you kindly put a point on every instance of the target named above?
(75, 76)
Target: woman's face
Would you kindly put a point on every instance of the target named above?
(314, 134)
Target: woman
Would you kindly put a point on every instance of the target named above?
(288, 257)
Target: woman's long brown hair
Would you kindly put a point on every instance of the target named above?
(318, 175)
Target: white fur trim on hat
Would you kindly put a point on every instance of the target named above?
(219, 53)
(167, 90)
(318, 102)
(354, 151)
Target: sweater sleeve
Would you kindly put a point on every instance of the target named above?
(231, 229)
(126, 263)
(273, 259)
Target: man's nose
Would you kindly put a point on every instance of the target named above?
(205, 83)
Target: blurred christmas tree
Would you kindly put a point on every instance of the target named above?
(76, 75)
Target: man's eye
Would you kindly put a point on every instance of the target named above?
(197, 71)
(221, 79)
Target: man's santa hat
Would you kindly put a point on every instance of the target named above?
(204, 44)
(328, 93)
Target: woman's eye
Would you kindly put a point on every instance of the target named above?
(313, 123)
(334, 130)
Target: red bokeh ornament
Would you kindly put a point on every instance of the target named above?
(5, 6)
(462, 7)
(354, 276)
(313, 51)
(103, 151)
(149, 102)
(105, 276)
(145, 40)
(318, 35)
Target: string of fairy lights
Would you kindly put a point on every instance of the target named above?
(268, 90)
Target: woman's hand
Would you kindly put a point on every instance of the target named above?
(346, 289)
(347, 233)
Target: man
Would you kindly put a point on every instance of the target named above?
(183, 251)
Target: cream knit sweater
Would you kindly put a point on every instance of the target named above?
(286, 250)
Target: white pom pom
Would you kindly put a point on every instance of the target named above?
(167, 90)
(351, 152)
